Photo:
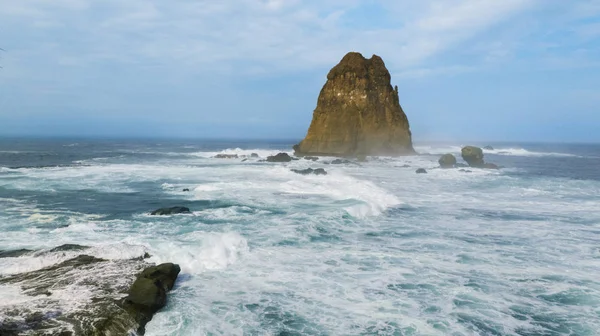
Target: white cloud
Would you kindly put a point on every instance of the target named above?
(234, 35)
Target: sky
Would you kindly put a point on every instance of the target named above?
(510, 70)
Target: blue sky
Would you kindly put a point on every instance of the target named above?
(522, 70)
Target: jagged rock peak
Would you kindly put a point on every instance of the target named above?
(358, 113)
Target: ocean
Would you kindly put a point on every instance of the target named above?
(371, 248)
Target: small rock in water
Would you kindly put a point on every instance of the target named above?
(340, 161)
(465, 171)
(447, 161)
(421, 171)
(244, 160)
(308, 171)
(253, 155)
(69, 247)
(488, 148)
(406, 166)
(311, 158)
(170, 211)
(186, 189)
(281, 157)
(14, 253)
(226, 156)
(490, 166)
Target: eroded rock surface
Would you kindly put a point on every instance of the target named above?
(358, 113)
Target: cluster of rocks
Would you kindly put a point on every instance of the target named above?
(127, 293)
(472, 155)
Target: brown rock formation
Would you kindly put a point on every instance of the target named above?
(358, 113)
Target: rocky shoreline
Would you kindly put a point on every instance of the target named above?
(120, 296)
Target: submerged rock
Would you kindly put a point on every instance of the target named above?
(281, 157)
(226, 156)
(309, 171)
(69, 247)
(421, 171)
(14, 253)
(358, 113)
(447, 161)
(170, 211)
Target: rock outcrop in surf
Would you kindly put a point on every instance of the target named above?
(474, 157)
(358, 113)
(115, 300)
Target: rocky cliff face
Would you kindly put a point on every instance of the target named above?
(358, 113)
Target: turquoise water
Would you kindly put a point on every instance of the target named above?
(369, 249)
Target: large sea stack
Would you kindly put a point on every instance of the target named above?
(358, 113)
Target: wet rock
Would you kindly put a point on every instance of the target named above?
(186, 189)
(340, 161)
(105, 312)
(358, 113)
(69, 247)
(421, 171)
(253, 155)
(170, 211)
(311, 158)
(244, 160)
(473, 156)
(281, 157)
(14, 253)
(447, 161)
(309, 171)
(488, 165)
(226, 156)
(405, 166)
(465, 171)
(148, 294)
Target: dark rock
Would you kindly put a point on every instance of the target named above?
(14, 253)
(226, 156)
(69, 247)
(421, 171)
(447, 161)
(406, 166)
(148, 294)
(488, 148)
(358, 113)
(186, 189)
(170, 211)
(490, 166)
(253, 155)
(473, 156)
(465, 171)
(281, 157)
(311, 158)
(309, 171)
(340, 161)
(244, 160)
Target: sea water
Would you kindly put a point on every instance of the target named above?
(369, 249)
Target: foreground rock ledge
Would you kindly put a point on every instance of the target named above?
(358, 113)
(121, 302)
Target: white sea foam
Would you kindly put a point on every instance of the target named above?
(508, 151)
(369, 249)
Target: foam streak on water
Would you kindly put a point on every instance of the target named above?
(369, 249)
